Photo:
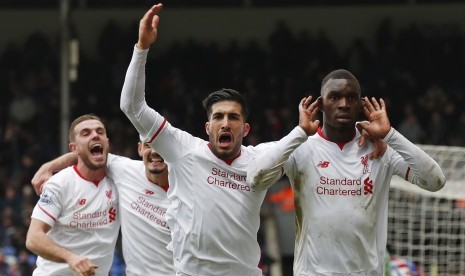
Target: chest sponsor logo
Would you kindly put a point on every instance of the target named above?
(344, 186)
(228, 180)
(150, 211)
(368, 186)
(112, 214)
(96, 219)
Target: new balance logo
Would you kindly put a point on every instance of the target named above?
(323, 164)
(148, 192)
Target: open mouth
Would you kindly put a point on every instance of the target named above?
(96, 150)
(156, 158)
(225, 139)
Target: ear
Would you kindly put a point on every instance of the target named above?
(246, 129)
(140, 147)
(207, 125)
(320, 102)
(72, 147)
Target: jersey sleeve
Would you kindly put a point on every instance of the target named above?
(267, 167)
(50, 203)
(170, 142)
(413, 164)
(116, 163)
(132, 102)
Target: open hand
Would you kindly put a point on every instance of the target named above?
(378, 124)
(148, 27)
(307, 115)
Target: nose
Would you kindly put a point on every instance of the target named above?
(344, 102)
(225, 123)
(95, 135)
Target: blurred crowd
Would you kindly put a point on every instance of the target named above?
(418, 70)
(209, 3)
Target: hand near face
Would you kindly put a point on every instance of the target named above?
(378, 124)
(148, 27)
(307, 115)
(380, 145)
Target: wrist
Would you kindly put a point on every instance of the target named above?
(142, 46)
(388, 135)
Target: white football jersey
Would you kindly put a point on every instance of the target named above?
(341, 206)
(84, 218)
(214, 214)
(145, 233)
(341, 196)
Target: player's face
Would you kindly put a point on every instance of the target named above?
(226, 128)
(153, 162)
(91, 143)
(340, 103)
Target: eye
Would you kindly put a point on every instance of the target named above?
(216, 116)
(333, 97)
(234, 116)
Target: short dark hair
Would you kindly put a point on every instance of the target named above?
(78, 120)
(340, 74)
(225, 94)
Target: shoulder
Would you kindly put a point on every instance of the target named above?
(121, 162)
(61, 181)
(66, 175)
(258, 148)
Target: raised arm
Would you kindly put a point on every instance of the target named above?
(424, 171)
(38, 242)
(48, 169)
(133, 102)
(267, 168)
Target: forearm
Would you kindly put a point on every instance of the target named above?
(61, 162)
(425, 172)
(267, 168)
(43, 246)
(133, 102)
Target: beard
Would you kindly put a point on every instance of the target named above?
(156, 170)
(92, 165)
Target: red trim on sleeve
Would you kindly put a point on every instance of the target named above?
(158, 131)
(407, 173)
(47, 213)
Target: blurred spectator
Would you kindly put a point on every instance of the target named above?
(410, 127)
